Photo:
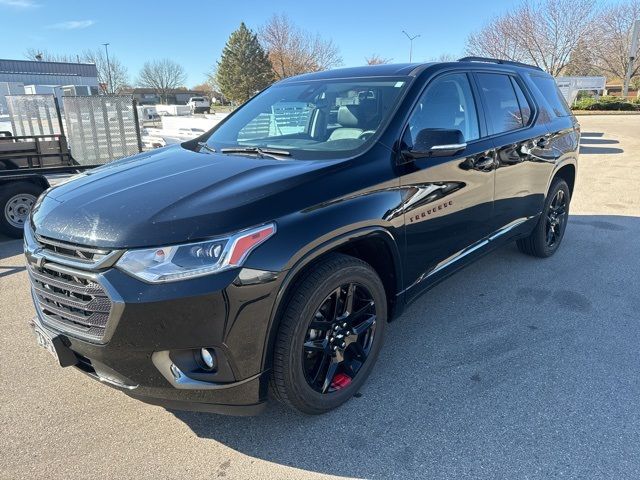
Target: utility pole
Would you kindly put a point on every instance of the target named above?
(632, 57)
(411, 39)
(106, 49)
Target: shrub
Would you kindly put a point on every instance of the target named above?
(583, 103)
(606, 103)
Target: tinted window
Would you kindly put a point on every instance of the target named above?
(525, 107)
(503, 109)
(447, 103)
(549, 90)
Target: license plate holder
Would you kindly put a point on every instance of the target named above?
(53, 344)
(44, 340)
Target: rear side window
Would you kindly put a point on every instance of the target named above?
(550, 91)
(525, 106)
(503, 108)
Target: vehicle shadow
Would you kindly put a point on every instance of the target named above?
(497, 370)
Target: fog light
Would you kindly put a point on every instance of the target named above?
(208, 358)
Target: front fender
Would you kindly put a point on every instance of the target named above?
(310, 253)
(306, 235)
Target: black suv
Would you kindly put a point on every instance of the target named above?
(269, 254)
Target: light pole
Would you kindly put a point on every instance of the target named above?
(635, 35)
(411, 39)
(106, 49)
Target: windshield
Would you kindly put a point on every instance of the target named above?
(313, 119)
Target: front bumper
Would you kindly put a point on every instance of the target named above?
(156, 324)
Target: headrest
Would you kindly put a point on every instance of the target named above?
(348, 115)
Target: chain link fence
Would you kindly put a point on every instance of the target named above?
(34, 115)
(102, 128)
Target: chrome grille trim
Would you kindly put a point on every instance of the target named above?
(69, 246)
(69, 299)
(70, 254)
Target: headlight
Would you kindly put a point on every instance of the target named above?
(179, 262)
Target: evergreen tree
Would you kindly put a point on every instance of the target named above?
(244, 67)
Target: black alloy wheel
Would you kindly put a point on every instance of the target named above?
(556, 219)
(546, 237)
(330, 334)
(339, 338)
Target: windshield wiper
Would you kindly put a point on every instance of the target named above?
(204, 146)
(260, 152)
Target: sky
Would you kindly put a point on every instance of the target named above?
(194, 33)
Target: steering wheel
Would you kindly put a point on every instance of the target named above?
(366, 134)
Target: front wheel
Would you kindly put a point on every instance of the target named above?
(546, 238)
(330, 335)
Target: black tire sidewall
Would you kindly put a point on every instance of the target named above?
(298, 390)
(558, 184)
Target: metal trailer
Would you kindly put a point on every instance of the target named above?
(28, 166)
(46, 147)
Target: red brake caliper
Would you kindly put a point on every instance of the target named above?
(341, 380)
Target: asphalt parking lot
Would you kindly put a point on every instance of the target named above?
(512, 368)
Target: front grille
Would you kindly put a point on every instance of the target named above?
(65, 285)
(70, 303)
(88, 255)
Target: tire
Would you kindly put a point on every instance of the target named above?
(537, 244)
(294, 359)
(16, 200)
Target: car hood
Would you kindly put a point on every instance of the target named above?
(173, 195)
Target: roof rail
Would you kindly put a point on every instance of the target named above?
(497, 60)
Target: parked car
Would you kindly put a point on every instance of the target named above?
(199, 104)
(270, 253)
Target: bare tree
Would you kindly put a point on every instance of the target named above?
(543, 32)
(496, 39)
(162, 76)
(293, 51)
(119, 74)
(444, 57)
(376, 59)
(583, 61)
(613, 31)
(114, 75)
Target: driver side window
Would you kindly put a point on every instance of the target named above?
(447, 103)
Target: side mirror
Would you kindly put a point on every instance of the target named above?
(436, 142)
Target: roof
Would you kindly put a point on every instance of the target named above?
(384, 70)
(33, 67)
(406, 69)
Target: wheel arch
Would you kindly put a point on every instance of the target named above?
(363, 243)
(567, 171)
(38, 180)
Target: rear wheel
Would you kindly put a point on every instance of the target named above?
(16, 201)
(545, 239)
(330, 335)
